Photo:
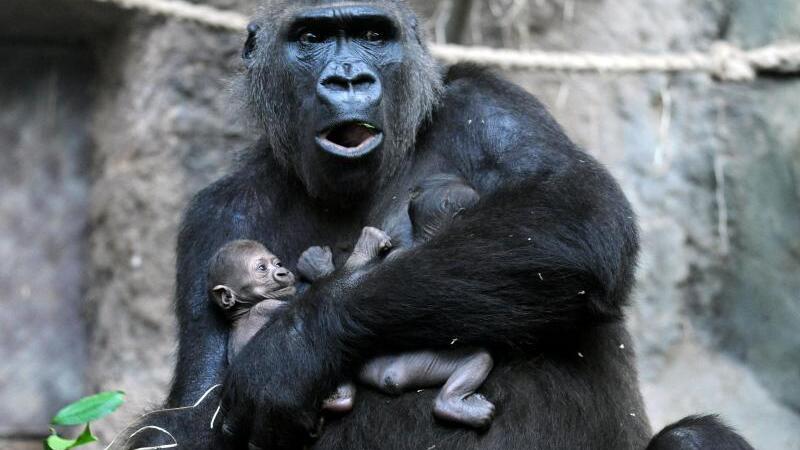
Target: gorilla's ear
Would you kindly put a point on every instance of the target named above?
(250, 45)
(224, 296)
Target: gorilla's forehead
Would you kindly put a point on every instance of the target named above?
(341, 11)
(307, 6)
(284, 13)
(340, 2)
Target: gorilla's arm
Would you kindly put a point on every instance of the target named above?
(550, 248)
(218, 214)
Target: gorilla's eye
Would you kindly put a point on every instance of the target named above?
(278, 263)
(262, 268)
(309, 38)
(373, 36)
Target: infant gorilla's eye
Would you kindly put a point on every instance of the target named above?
(309, 38)
(262, 268)
(278, 263)
(373, 36)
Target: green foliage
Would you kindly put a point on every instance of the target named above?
(89, 408)
(55, 442)
(82, 412)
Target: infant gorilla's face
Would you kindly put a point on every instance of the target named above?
(266, 276)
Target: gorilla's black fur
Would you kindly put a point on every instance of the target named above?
(537, 272)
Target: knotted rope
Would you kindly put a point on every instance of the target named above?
(723, 61)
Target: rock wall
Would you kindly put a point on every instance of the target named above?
(44, 185)
(712, 170)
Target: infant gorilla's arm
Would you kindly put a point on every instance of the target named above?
(370, 246)
(317, 262)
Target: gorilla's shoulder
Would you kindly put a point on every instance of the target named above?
(466, 71)
(471, 89)
(510, 118)
(468, 78)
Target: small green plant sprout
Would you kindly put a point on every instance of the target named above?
(82, 412)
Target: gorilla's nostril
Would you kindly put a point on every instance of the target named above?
(362, 80)
(336, 83)
(340, 83)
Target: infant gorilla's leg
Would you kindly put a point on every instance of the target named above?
(462, 373)
(372, 243)
(458, 401)
(315, 263)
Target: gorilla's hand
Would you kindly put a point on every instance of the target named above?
(274, 390)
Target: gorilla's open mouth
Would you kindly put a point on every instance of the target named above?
(351, 140)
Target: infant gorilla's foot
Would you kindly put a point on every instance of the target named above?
(474, 410)
(315, 263)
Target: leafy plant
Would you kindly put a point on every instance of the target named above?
(82, 412)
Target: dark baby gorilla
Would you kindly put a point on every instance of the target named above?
(354, 112)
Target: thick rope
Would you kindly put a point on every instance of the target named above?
(722, 61)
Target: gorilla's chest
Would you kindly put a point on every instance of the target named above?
(302, 223)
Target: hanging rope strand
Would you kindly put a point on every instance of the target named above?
(723, 60)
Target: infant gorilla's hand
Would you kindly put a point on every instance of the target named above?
(315, 263)
(373, 242)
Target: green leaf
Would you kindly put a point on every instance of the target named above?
(56, 442)
(89, 408)
(85, 438)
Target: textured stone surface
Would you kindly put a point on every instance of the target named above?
(44, 189)
(20, 445)
(712, 170)
(164, 130)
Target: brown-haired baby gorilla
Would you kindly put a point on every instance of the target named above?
(248, 283)
(434, 204)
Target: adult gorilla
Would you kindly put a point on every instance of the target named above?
(354, 113)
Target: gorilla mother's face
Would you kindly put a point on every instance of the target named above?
(341, 88)
(341, 54)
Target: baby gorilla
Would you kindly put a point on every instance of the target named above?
(248, 283)
(434, 203)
